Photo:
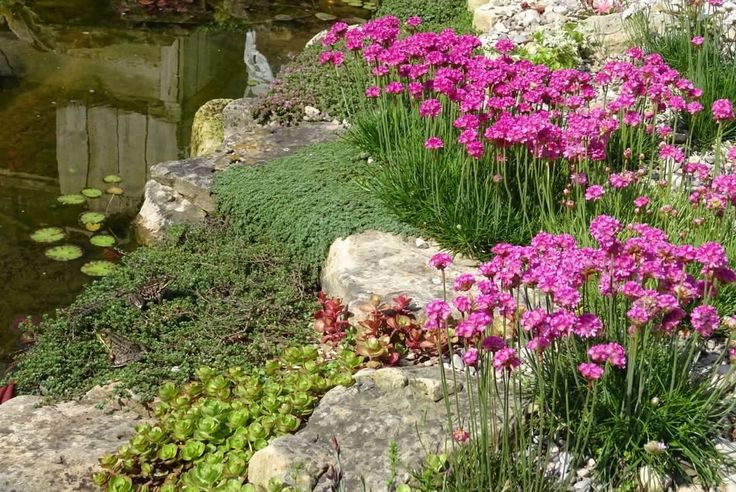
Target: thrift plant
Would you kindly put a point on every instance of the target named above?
(599, 347)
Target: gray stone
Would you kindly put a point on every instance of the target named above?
(163, 207)
(56, 447)
(385, 265)
(191, 178)
(365, 419)
(389, 378)
(237, 116)
(208, 129)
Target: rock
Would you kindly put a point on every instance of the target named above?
(527, 18)
(312, 114)
(584, 485)
(433, 387)
(389, 378)
(382, 264)
(474, 4)
(56, 447)
(192, 178)
(208, 130)
(500, 27)
(365, 420)
(237, 116)
(163, 207)
(651, 480)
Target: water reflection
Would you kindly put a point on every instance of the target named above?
(84, 94)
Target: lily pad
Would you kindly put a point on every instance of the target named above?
(102, 240)
(48, 235)
(65, 252)
(324, 16)
(93, 227)
(112, 178)
(114, 190)
(92, 218)
(71, 199)
(99, 268)
(92, 192)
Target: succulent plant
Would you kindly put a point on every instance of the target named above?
(331, 321)
(208, 429)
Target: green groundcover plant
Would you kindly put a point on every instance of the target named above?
(304, 202)
(227, 302)
(207, 430)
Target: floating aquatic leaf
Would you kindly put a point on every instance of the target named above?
(93, 227)
(99, 268)
(103, 240)
(48, 235)
(92, 192)
(71, 199)
(112, 178)
(66, 252)
(92, 218)
(283, 17)
(114, 190)
(324, 16)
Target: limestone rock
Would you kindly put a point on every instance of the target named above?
(55, 448)
(382, 264)
(237, 116)
(163, 207)
(365, 419)
(208, 129)
(610, 31)
(474, 4)
(191, 178)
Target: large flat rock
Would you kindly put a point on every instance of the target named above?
(385, 265)
(163, 207)
(392, 407)
(56, 447)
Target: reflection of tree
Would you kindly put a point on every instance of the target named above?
(24, 23)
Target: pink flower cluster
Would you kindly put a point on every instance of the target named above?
(663, 286)
(502, 102)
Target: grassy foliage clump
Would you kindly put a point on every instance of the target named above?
(436, 14)
(229, 303)
(304, 202)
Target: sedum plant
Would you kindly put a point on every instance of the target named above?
(208, 429)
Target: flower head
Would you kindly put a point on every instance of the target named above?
(434, 143)
(705, 320)
(440, 261)
(506, 359)
(697, 40)
(722, 110)
(590, 371)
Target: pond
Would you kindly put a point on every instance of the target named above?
(92, 94)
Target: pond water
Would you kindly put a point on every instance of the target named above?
(93, 88)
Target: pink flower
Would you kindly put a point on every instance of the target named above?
(705, 320)
(430, 108)
(588, 326)
(373, 91)
(722, 110)
(414, 21)
(697, 40)
(470, 357)
(463, 282)
(460, 435)
(505, 46)
(437, 312)
(613, 353)
(641, 201)
(493, 343)
(590, 371)
(732, 355)
(394, 88)
(506, 359)
(440, 261)
(434, 143)
(462, 304)
(594, 193)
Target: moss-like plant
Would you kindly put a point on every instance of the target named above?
(208, 429)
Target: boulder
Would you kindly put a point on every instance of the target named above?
(208, 129)
(385, 265)
(391, 407)
(163, 207)
(610, 32)
(56, 447)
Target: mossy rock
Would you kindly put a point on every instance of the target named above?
(208, 128)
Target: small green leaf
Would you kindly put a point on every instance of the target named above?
(92, 192)
(112, 178)
(102, 240)
(66, 252)
(114, 190)
(71, 199)
(48, 235)
(92, 218)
